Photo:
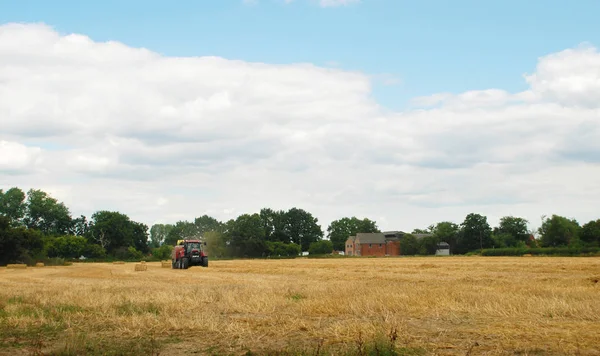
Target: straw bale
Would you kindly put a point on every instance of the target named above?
(141, 267)
(40, 264)
(16, 265)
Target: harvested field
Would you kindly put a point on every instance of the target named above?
(444, 306)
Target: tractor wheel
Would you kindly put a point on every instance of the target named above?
(172, 264)
(185, 263)
(204, 262)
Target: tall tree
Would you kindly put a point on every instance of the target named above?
(448, 232)
(18, 244)
(12, 205)
(340, 230)
(514, 227)
(159, 233)
(302, 228)
(274, 223)
(46, 214)
(559, 231)
(113, 230)
(182, 230)
(590, 233)
(246, 236)
(206, 224)
(79, 226)
(475, 234)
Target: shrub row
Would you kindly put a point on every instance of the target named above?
(545, 251)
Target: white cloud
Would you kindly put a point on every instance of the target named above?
(160, 138)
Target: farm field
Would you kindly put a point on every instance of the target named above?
(421, 306)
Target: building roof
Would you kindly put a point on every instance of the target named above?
(370, 238)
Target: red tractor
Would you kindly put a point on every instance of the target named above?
(189, 253)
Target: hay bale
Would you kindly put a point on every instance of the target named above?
(40, 264)
(16, 266)
(527, 255)
(166, 264)
(118, 262)
(141, 267)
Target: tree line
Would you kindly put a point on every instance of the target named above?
(36, 226)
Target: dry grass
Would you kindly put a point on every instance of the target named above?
(16, 266)
(449, 305)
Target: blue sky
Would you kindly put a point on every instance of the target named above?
(431, 46)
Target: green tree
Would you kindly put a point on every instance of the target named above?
(180, 231)
(475, 233)
(159, 233)
(113, 230)
(46, 214)
(246, 236)
(274, 223)
(67, 246)
(559, 231)
(206, 224)
(320, 247)
(340, 230)
(515, 227)
(409, 245)
(163, 252)
(12, 205)
(428, 244)
(302, 228)
(79, 226)
(19, 244)
(590, 233)
(448, 232)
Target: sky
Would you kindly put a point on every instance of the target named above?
(408, 113)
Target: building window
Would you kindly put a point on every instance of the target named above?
(380, 245)
(370, 246)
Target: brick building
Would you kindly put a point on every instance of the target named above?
(374, 244)
(383, 244)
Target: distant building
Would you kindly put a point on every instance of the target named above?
(385, 243)
(443, 249)
(374, 244)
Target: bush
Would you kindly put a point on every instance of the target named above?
(279, 249)
(320, 247)
(163, 252)
(545, 251)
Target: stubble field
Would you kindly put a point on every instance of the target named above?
(416, 306)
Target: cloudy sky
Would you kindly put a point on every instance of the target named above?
(405, 114)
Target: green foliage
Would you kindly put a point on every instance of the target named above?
(320, 247)
(163, 252)
(511, 230)
(280, 249)
(19, 244)
(545, 251)
(302, 228)
(590, 233)
(159, 233)
(409, 245)
(475, 234)
(428, 244)
(113, 230)
(340, 230)
(559, 231)
(12, 205)
(46, 214)
(448, 232)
